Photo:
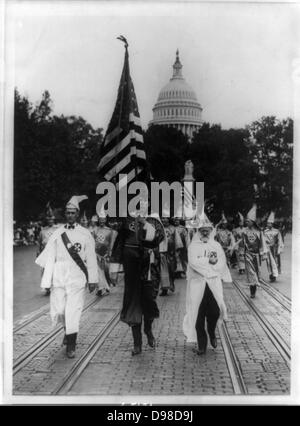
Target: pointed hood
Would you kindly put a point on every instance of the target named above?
(223, 220)
(203, 221)
(241, 217)
(251, 215)
(49, 211)
(74, 201)
(101, 213)
(271, 217)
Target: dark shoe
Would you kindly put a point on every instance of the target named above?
(70, 352)
(151, 340)
(136, 350)
(71, 344)
(201, 351)
(213, 342)
(47, 292)
(164, 293)
(272, 278)
(252, 291)
(99, 293)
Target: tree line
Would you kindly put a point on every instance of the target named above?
(57, 156)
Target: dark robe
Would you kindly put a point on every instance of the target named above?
(140, 259)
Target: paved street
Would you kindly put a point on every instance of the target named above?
(258, 356)
(27, 277)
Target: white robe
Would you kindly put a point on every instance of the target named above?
(200, 272)
(64, 276)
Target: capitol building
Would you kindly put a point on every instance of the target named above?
(177, 105)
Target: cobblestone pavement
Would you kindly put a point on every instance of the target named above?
(42, 373)
(173, 368)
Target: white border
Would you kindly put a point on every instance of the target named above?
(8, 13)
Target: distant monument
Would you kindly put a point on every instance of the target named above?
(188, 170)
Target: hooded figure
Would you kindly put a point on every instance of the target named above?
(239, 243)
(181, 253)
(69, 262)
(255, 250)
(204, 295)
(136, 247)
(275, 247)
(225, 238)
(104, 239)
(168, 248)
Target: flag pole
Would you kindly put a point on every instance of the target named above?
(123, 40)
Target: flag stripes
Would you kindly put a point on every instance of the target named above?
(123, 149)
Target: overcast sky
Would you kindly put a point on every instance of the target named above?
(237, 57)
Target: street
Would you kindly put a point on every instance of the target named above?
(252, 357)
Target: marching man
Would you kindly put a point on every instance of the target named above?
(104, 239)
(255, 251)
(275, 245)
(69, 262)
(239, 244)
(207, 268)
(225, 238)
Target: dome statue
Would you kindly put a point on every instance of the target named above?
(177, 105)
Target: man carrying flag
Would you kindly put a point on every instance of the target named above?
(139, 235)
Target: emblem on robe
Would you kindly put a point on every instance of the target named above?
(77, 247)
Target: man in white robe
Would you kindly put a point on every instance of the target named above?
(69, 262)
(207, 268)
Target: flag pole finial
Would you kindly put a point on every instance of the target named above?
(123, 39)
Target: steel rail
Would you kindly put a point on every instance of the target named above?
(232, 362)
(27, 356)
(280, 344)
(283, 300)
(75, 372)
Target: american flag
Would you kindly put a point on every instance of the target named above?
(123, 146)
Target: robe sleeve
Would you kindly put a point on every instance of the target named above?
(280, 243)
(263, 249)
(221, 266)
(200, 264)
(46, 260)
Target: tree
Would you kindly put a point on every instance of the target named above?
(167, 151)
(221, 160)
(54, 157)
(270, 143)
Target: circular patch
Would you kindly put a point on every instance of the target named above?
(100, 238)
(132, 226)
(252, 237)
(77, 247)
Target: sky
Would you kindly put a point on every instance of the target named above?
(237, 57)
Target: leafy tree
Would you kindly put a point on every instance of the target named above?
(221, 160)
(54, 157)
(270, 143)
(167, 150)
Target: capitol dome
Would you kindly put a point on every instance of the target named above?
(177, 105)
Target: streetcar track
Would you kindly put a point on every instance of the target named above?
(27, 356)
(284, 301)
(277, 340)
(32, 317)
(236, 376)
(80, 365)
